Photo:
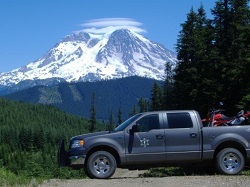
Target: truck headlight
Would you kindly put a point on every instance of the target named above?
(77, 143)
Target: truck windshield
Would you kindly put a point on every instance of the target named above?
(122, 126)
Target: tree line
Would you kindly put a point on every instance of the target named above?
(214, 59)
(213, 62)
(29, 135)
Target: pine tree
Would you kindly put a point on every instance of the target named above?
(185, 71)
(134, 111)
(194, 79)
(168, 88)
(143, 105)
(119, 116)
(232, 31)
(156, 98)
(111, 122)
(93, 114)
(39, 139)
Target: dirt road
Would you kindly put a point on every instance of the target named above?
(131, 179)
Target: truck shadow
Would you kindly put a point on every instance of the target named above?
(177, 171)
(125, 173)
(172, 171)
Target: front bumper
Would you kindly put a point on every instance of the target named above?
(77, 160)
(68, 159)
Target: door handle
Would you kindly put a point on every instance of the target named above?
(193, 135)
(160, 136)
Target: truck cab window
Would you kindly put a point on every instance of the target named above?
(148, 123)
(179, 120)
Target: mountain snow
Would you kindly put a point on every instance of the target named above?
(89, 57)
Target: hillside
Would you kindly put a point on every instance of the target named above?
(75, 98)
(29, 135)
(15, 116)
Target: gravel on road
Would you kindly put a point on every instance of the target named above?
(132, 179)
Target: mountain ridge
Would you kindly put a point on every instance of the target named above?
(76, 98)
(90, 57)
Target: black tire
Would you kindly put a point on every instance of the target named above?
(230, 161)
(101, 165)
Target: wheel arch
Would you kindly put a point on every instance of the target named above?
(107, 148)
(230, 144)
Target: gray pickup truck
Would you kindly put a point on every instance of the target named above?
(161, 138)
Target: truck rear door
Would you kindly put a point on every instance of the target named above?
(183, 136)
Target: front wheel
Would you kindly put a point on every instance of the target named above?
(230, 161)
(101, 165)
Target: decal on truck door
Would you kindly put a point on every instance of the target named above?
(144, 142)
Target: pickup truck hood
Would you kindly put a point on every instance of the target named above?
(95, 134)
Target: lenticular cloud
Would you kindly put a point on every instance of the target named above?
(111, 22)
(103, 25)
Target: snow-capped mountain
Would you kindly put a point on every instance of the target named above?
(89, 57)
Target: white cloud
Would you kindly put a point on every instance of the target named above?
(99, 26)
(111, 22)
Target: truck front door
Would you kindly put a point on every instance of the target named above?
(146, 142)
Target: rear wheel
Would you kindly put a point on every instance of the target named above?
(101, 165)
(230, 161)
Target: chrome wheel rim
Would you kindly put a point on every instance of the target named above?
(101, 165)
(231, 162)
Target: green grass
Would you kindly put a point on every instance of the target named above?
(24, 179)
(9, 179)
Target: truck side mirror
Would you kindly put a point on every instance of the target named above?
(133, 129)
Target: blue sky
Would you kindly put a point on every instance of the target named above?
(29, 28)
